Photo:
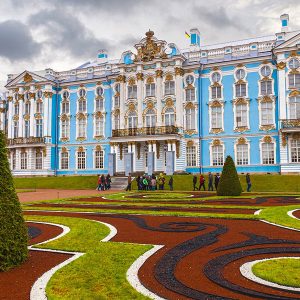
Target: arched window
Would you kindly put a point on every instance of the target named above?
(65, 95)
(99, 126)
(150, 118)
(39, 94)
(99, 91)
(82, 92)
(132, 120)
(169, 117)
(294, 63)
(294, 107)
(265, 71)
(190, 123)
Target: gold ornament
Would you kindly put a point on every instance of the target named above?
(27, 78)
(281, 65)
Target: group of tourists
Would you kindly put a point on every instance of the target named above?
(212, 181)
(150, 183)
(104, 182)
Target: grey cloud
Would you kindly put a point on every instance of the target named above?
(16, 41)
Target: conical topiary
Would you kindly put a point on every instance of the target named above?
(229, 184)
(13, 232)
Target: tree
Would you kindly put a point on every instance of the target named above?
(13, 231)
(229, 184)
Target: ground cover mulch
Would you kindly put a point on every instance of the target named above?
(201, 257)
(297, 214)
(16, 283)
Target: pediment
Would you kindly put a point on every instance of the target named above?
(293, 42)
(26, 78)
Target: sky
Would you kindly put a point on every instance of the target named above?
(63, 34)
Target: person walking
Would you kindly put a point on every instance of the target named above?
(129, 183)
(138, 179)
(202, 182)
(99, 183)
(248, 180)
(210, 182)
(102, 182)
(195, 183)
(217, 179)
(153, 183)
(108, 181)
(171, 183)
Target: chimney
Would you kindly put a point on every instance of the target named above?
(102, 56)
(195, 37)
(284, 22)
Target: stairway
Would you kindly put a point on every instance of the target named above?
(119, 183)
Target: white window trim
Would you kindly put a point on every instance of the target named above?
(60, 160)
(234, 115)
(85, 160)
(260, 114)
(210, 116)
(196, 153)
(94, 125)
(94, 159)
(60, 135)
(235, 153)
(290, 153)
(211, 86)
(289, 105)
(261, 141)
(211, 156)
(77, 128)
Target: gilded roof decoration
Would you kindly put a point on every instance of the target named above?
(27, 78)
(150, 49)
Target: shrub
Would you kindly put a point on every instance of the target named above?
(13, 231)
(229, 184)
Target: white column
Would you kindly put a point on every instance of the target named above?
(159, 96)
(21, 120)
(18, 160)
(32, 104)
(179, 91)
(281, 94)
(46, 114)
(133, 147)
(9, 119)
(122, 101)
(140, 98)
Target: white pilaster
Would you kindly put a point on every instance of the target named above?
(122, 102)
(21, 120)
(140, 99)
(9, 119)
(159, 97)
(179, 91)
(32, 103)
(46, 114)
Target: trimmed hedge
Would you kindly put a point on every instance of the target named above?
(229, 184)
(13, 231)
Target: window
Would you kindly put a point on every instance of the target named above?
(26, 96)
(190, 119)
(27, 108)
(82, 128)
(16, 97)
(23, 160)
(65, 107)
(266, 87)
(217, 155)
(99, 91)
(14, 160)
(216, 117)
(294, 81)
(266, 110)
(189, 79)
(169, 87)
(99, 103)
(64, 161)
(99, 159)
(117, 122)
(26, 129)
(240, 74)
(39, 107)
(150, 118)
(267, 153)
(190, 94)
(242, 154)
(216, 92)
(216, 77)
(65, 95)
(65, 129)
(295, 107)
(169, 117)
(99, 126)
(295, 150)
(132, 120)
(82, 105)
(39, 128)
(132, 92)
(150, 90)
(39, 94)
(265, 71)
(38, 160)
(81, 160)
(117, 101)
(117, 88)
(16, 109)
(82, 92)
(16, 129)
(191, 156)
(240, 90)
(294, 63)
(241, 115)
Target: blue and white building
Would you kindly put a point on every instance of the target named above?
(161, 108)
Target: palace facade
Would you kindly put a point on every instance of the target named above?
(161, 109)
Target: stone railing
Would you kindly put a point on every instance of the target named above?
(290, 124)
(30, 140)
(145, 131)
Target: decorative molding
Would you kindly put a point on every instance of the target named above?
(48, 94)
(240, 66)
(64, 117)
(121, 150)
(267, 139)
(267, 127)
(281, 65)
(169, 103)
(26, 117)
(131, 107)
(150, 80)
(27, 78)
(98, 148)
(80, 149)
(44, 152)
(238, 101)
(241, 141)
(216, 130)
(190, 131)
(81, 138)
(80, 116)
(215, 103)
(283, 139)
(159, 73)
(216, 142)
(20, 97)
(16, 117)
(294, 93)
(10, 98)
(177, 144)
(179, 71)
(38, 116)
(189, 105)
(131, 81)
(190, 143)
(140, 76)
(121, 78)
(293, 53)
(64, 139)
(169, 77)
(64, 150)
(241, 129)
(150, 105)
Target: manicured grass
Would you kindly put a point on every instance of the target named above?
(284, 271)
(101, 272)
(260, 183)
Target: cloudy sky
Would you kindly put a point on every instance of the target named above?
(63, 34)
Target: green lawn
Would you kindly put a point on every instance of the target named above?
(260, 183)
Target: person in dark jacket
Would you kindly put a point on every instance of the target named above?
(129, 183)
(217, 179)
(171, 183)
(102, 182)
(138, 179)
(195, 183)
(108, 181)
(248, 180)
(210, 182)
(202, 182)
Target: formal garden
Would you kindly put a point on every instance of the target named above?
(152, 244)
